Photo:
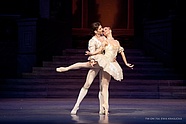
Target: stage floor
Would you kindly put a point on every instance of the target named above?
(122, 111)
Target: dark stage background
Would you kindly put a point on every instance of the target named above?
(35, 30)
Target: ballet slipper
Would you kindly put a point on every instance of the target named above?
(61, 69)
(92, 63)
(101, 112)
(74, 110)
(106, 109)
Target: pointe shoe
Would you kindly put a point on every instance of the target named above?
(61, 69)
(106, 109)
(101, 112)
(74, 110)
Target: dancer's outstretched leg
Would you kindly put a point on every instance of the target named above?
(77, 65)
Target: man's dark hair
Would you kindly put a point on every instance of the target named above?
(94, 27)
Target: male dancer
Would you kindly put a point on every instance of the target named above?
(93, 44)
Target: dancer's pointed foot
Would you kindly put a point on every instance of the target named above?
(106, 112)
(74, 110)
(105, 109)
(61, 69)
(101, 112)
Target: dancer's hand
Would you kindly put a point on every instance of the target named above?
(88, 53)
(93, 62)
(130, 65)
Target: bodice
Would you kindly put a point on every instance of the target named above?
(111, 51)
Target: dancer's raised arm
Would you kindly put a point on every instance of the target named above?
(121, 51)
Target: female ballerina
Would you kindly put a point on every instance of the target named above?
(106, 61)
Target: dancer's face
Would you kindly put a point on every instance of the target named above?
(106, 31)
(99, 31)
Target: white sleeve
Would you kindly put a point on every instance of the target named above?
(121, 49)
(91, 45)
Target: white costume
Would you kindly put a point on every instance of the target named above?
(107, 62)
(93, 45)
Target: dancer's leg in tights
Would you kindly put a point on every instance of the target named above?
(90, 77)
(77, 65)
(100, 96)
(105, 87)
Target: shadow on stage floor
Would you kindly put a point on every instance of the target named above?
(122, 111)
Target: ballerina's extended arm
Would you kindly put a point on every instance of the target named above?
(121, 51)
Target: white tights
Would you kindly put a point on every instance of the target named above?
(77, 65)
(105, 80)
(105, 87)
